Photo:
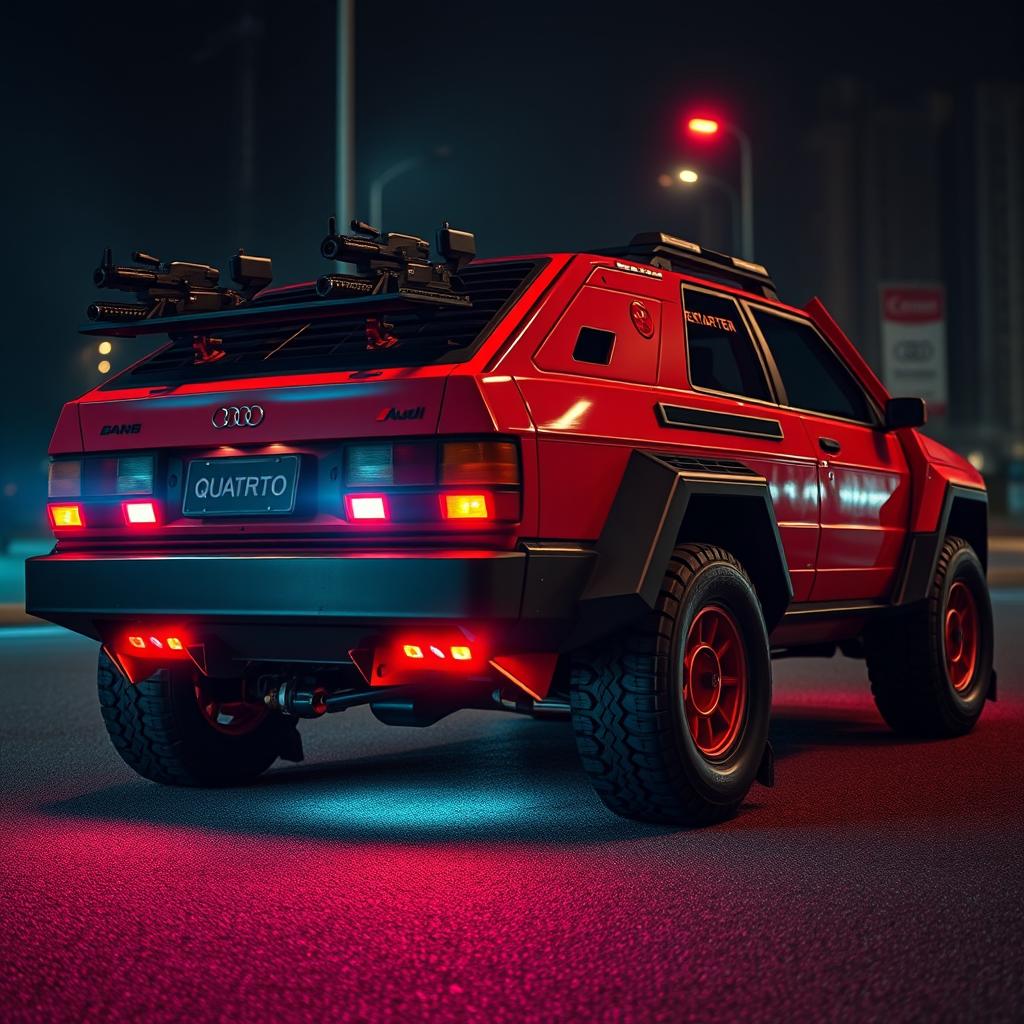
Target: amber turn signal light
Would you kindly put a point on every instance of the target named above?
(66, 516)
(465, 506)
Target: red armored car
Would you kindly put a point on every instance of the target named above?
(609, 485)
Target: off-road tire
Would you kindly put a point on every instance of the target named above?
(628, 706)
(157, 727)
(906, 655)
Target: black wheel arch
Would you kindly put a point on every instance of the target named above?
(664, 500)
(964, 514)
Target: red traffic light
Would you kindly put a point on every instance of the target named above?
(702, 125)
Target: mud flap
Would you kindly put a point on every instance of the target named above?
(766, 769)
(291, 744)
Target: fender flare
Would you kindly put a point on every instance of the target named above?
(648, 518)
(922, 551)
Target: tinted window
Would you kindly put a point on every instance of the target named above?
(812, 374)
(720, 353)
(593, 346)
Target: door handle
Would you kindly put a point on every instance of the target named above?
(830, 444)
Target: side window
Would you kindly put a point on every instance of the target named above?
(812, 374)
(720, 352)
(594, 346)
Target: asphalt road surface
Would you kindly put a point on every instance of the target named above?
(467, 873)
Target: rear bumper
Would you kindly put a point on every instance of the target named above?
(84, 590)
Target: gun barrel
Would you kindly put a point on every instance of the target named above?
(125, 278)
(116, 312)
(348, 249)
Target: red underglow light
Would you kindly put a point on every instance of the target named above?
(466, 506)
(139, 513)
(137, 642)
(64, 517)
(412, 651)
(703, 125)
(461, 653)
(367, 506)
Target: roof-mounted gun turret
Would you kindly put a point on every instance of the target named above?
(396, 264)
(171, 289)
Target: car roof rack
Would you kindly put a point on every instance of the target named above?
(668, 252)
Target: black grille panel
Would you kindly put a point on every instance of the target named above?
(431, 334)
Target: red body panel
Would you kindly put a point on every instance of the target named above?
(843, 517)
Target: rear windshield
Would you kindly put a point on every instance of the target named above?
(425, 335)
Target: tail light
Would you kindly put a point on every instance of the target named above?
(64, 517)
(139, 513)
(460, 482)
(465, 506)
(155, 645)
(479, 462)
(95, 483)
(367, 506)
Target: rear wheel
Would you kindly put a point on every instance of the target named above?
(671, 717)
(931, 666)
(180, 728)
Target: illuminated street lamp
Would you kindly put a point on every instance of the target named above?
(688, 176)
(705, 127)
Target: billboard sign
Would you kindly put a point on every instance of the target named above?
(914, 342)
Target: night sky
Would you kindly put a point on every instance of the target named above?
(122, 128)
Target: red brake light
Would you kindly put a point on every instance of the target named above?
(367, 507)
(64, 517)
(139, 513)
(137, 642)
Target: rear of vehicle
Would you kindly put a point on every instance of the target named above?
(312, 520)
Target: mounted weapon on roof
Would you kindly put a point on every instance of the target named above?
(170, 289)
(396, 264)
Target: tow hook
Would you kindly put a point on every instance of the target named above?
(292, 698)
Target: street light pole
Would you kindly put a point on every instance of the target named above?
(344, 133)
(691, 177)
(395, 171)
(711, 126)
(746, 190)
(377, 188)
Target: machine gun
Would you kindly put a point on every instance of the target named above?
(171, 289)
(396, 264)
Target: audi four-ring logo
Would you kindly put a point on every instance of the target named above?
(237, 416)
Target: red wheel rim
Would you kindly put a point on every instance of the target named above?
(714, 680)
(961, 635)
(232, 715)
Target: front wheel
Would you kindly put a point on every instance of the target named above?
(671, 717)
(931, 665)
(181, 729)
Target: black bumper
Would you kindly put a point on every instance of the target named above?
(80, 590)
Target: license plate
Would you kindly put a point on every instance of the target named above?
(264, 485)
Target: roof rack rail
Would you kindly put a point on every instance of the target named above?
(670, 253)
